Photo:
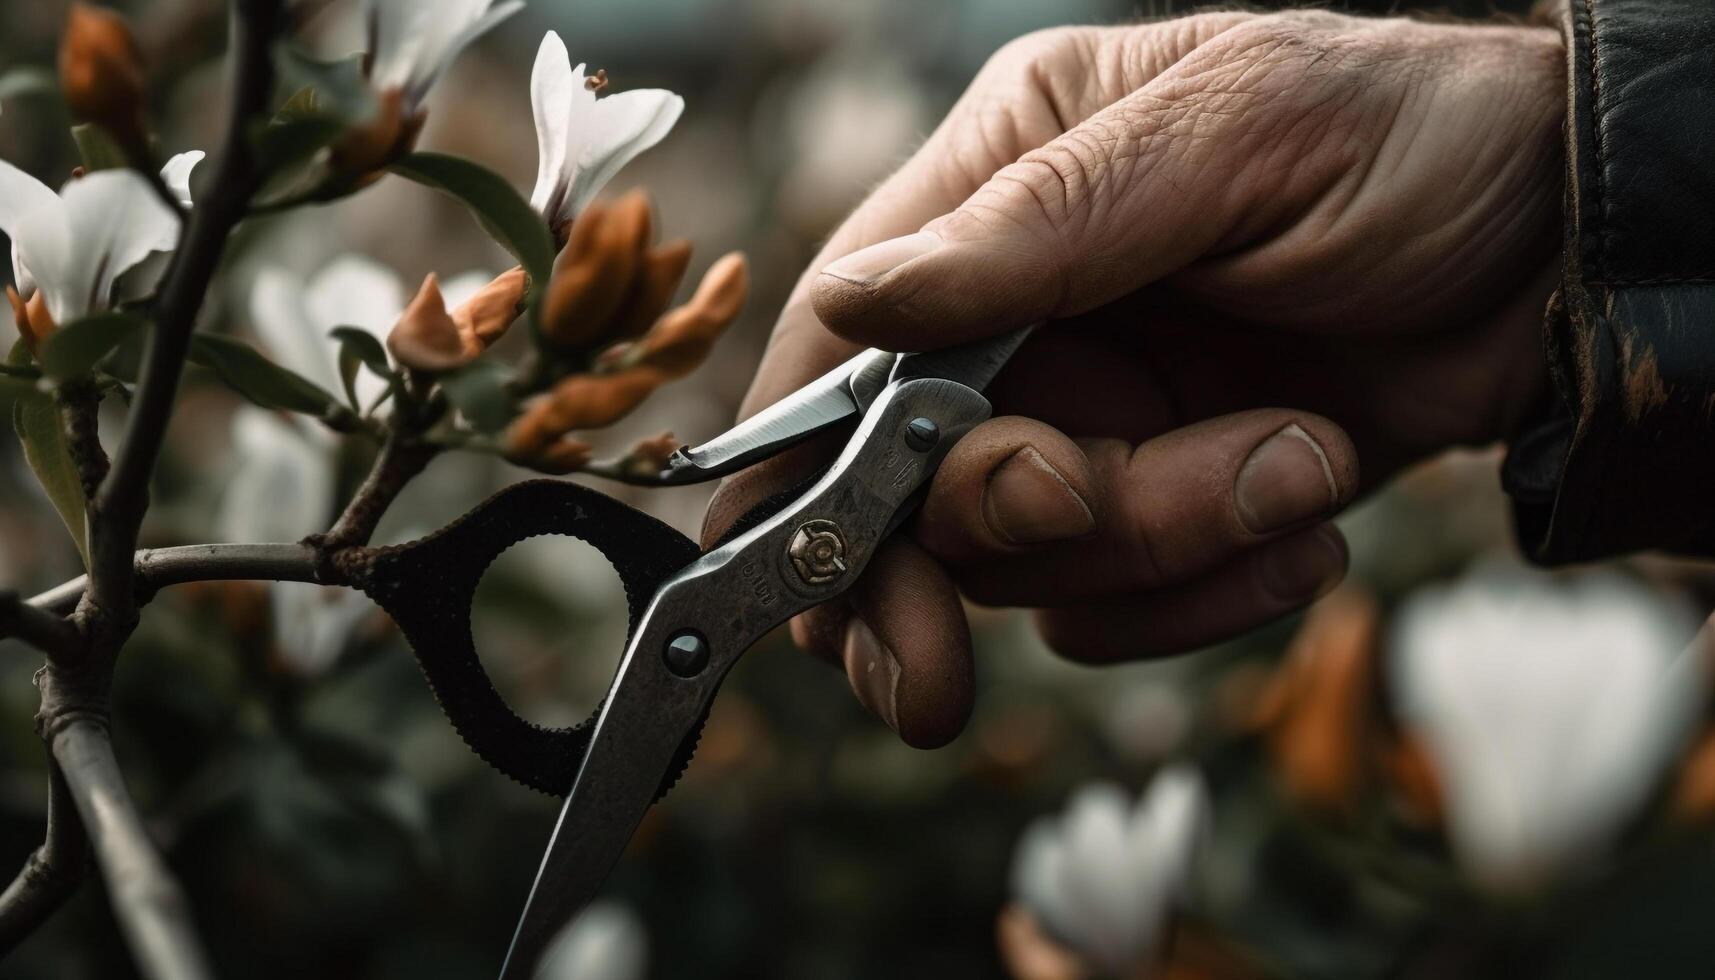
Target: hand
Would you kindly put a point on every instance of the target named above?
(1220, 215)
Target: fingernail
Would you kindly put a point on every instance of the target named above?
(873, 671)
(869, 264)
(1286, 480)
(1027, 501)
(1304, 568)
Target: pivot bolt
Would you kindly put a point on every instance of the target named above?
(818, 552)
(921, 434)
(686, 653)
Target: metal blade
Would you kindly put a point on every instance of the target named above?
(842, 393)
(973, 365)
(648, 714)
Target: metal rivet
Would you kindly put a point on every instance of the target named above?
(686, 653)
(818, 552)
(921, 434)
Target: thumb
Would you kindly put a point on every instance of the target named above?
(1178, 168)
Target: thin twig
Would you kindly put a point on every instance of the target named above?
(150, 907)
(396, 465)
(52, 872)
(119, 505)
(39, 628)
(157, 568)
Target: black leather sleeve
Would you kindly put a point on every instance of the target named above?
(1625, 458)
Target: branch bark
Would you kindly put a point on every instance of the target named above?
(398, 462)
(156, 568)
(151, 908)
(38, 627)
(51, 874)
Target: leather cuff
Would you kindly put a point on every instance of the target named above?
(1624, 457)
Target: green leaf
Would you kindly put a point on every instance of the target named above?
(336, 89)
(507, 216)
(26, 80)
(98, 149)
(36, 420)
(252, 375)
(75, 348)
(479, 391)
(358, 348)
(285, 143)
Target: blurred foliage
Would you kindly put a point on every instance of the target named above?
(335, 826)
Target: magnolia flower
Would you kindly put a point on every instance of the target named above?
(606, 940)
(413, 42)
(72, 247)
(282, 489)
(582, 140)
(1105, 878)
(292, 316)
(1548, 709)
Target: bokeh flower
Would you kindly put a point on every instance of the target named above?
(1105, 878)
(606, 940)
(1549, 710)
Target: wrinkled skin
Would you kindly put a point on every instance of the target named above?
(1331, 237)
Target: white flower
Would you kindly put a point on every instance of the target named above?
(605, 942)
(75, 244)
(292, 316)
(1549, 709)
(283, 489)
(1104, 877)
(412, 42)
(582, 140)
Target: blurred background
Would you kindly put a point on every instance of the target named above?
(326, 820)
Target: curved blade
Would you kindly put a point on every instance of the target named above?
(973, 365)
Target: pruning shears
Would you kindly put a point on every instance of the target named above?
(692, 614)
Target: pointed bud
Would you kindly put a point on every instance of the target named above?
(594, 273)
(425, 338)
(684, 337)
(582, 401)
(657, 280)
(101, 73)
(34, 322)
(364, 150)
(485, 317)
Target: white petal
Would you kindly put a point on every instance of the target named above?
(397, 33)
(283, 485)
(624, 125)
(21, 194)
(606, 940)
(1550, 711)
(177, 174)
(111, 221)
(289, 334)
(453, 35)
(553, 87)
(352, 290)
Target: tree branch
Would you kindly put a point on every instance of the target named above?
(156, 568)
(150, 907)
(398, 462)
(52, 872)
(117, 511)
(41, 629)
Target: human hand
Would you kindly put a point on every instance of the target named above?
(1220, 215)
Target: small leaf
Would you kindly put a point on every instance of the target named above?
(19, 371)
(36, 420)
(336, 89)
(479, 391)
(282, 144)
(252, 375)
(358, 348)
(75, 348)
(303, 104)
(507, 216)
(98, 150)
(26, 80)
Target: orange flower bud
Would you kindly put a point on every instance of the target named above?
(684, 337)
(648, 457)
(425, 338)
(1320, 704)
(364, 150)
(556, 458)
(1412, 771)
(582, 401)
(482, 319)
(657, 280)
(34, 322)
(594, 273)
(101, 73)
